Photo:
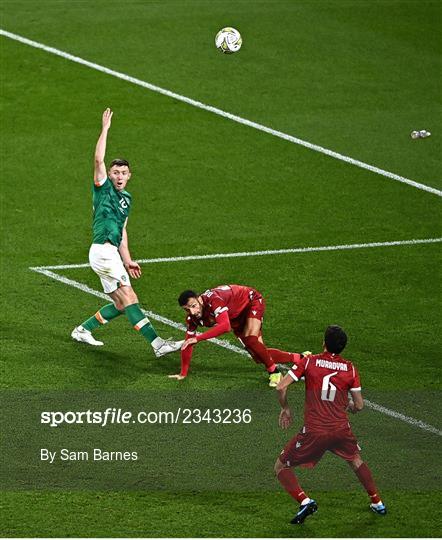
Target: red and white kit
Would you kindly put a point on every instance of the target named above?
(328, 379)
(225, 307)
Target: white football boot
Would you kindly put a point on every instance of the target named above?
(84, 336)
(167, 346)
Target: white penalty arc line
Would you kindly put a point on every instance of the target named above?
(226, 345)
(258, 253)
(220, 112)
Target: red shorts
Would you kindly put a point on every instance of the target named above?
(306, 449)
(255, 310)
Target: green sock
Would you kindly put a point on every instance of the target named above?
(103, 316)
(140, 322)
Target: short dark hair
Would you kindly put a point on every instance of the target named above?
(185, 296)
(335, 339)
(119, 163)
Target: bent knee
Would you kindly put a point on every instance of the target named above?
(118, 305)
(278, 466)
(356, 463)
(123, 297)
(128, 295)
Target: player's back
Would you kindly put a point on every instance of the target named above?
(328, 379)
(235, 297)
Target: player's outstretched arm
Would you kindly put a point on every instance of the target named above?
(221, 327)
(132, 267)
(100, 172)
(186, 357)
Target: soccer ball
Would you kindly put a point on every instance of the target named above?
(228, 40)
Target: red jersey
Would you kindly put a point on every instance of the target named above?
(225, 308)
(233, 299)
(328, 379)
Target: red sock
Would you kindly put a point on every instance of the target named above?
(366, 479)
(259, 352)
(282, 357)
(289, 482)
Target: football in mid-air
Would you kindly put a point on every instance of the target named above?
(228, 40)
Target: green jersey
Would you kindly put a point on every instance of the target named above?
(111, 209)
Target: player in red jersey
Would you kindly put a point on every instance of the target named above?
(229, 307)
(328, 380)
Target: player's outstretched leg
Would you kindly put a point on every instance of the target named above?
(83, 332)
(260, 354)
(283, 357)
(251, 337)
(143, 325)
(365, 477)
(284, 360)
(125, 297)
(289, 482)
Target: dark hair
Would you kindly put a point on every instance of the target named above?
(335, 339)
(185, 296)
(119, 163)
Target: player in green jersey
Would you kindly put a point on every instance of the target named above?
(109, 254)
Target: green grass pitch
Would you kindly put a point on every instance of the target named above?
(352, 76)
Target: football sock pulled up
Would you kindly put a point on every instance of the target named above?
(140, 322)
(259, 352)
(366, 479)
(283, 357)
(289, 482)
(103, 316)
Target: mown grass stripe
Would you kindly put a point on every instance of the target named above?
(225, 344)
(224, 114)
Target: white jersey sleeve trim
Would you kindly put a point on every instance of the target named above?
(220, 310)
(99, 183)
(358, 389)
(293, 376)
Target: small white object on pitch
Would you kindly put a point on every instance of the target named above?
(422, 134)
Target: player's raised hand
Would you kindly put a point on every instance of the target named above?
(177, 377)
(106, 120)
(285, 418)
(188, 342)
(133, 269)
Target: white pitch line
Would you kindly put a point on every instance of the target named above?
(225, 344)
(222, 113)
(403, 417)
(150, 314)
(258, 253)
